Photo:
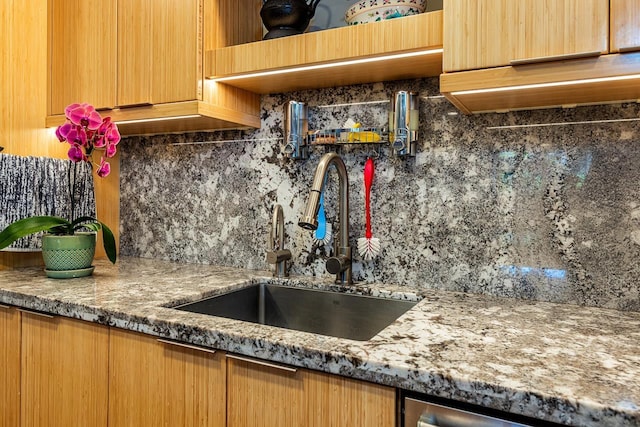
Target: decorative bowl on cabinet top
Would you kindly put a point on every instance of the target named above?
(364, 11)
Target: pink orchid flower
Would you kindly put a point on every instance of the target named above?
(76, 154)
(108, 134)
(99, 141)
(83, 115)
(63, 131)
(104, 169)
(85, 130)
(78, 136)
(111, 150)
(113, 135)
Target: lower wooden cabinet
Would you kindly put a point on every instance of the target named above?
(273, 396)
(9, 367)
(64, 367)
(153, 383)
(60, 372)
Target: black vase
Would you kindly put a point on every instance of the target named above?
(286, 17)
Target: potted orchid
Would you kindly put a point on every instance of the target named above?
(86, 132)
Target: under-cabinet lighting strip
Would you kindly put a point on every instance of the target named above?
(157, 119)
(226, 141)
(330, 65)
(582, 122)
(349, 104)
(541, 85)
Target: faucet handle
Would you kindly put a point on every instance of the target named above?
(274, 257)
(276, 254)
(340, 265)
(337, 264)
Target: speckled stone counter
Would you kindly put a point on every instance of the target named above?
(567, 364)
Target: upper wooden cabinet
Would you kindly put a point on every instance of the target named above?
(134, 58)
(83, 54)
(144, 62)
(542, 74)
(9, 367)
(410, 46)
(492, 33)
(176, 71)
(625, 24)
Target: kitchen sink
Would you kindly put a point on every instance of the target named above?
(355, 317)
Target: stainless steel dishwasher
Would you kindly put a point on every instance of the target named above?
(419, 412)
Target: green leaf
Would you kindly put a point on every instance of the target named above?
(92, 226)
(61, 230)
(35, 224)
(109, 242)
(78, 222)
(27, 226)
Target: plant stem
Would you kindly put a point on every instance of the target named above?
(72, 186)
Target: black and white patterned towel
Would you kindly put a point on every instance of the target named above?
(32, 186)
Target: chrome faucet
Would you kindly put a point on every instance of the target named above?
(340, 263)
(276, 253)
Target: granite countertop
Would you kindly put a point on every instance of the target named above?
(567, 364)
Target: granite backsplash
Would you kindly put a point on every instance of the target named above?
(540, 205)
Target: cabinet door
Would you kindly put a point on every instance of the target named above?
(492, 33)
(264, 395)
(337, 401)
(158, 384)
(9, 367)
(272, 397)
(176, 50)
(83, 59)
(64, 372)
(134, 52)
(625, 25)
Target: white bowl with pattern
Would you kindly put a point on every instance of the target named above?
(364, 11)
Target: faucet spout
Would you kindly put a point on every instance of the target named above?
(340, 263)
(276, 253)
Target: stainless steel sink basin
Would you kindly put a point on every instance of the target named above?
(335, 314)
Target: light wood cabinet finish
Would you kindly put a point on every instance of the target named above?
(280, 398)
(157, 384)
(518, 87)
(23, 86)
(256, 392)
(483, 36)
(491, 33)
(73, 373)
(625, 25)
(9, 367)
(135, 65)
(337, 401)
(230, 23)
(83, 63)
(64, 367)
(154, 67)
(377, 39)
(158, 55)
(177, 50)
(159, 59)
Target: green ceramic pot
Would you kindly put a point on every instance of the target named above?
(69, 256)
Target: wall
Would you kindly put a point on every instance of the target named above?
(541, 205)
(23, 90)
